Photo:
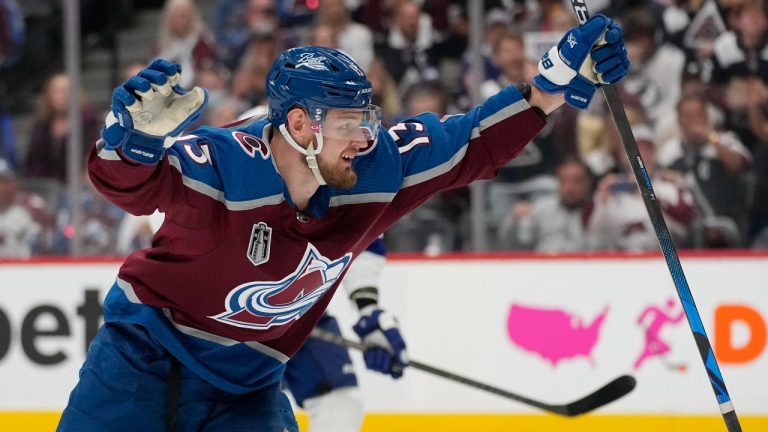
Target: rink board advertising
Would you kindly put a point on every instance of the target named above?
(553, 329)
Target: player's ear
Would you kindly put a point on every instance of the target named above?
(298, 125)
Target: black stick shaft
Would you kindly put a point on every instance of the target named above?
(608, 393)
(665, 241)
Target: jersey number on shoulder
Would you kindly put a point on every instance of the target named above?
(252, 145)
(409, 135)
(199, 152)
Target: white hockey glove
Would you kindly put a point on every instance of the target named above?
(586, 57)
(149, 111)
(379, 330)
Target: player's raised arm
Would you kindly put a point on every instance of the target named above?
(451, 152)
(148, 113)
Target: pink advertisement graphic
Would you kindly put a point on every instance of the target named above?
(653, 319)
(556, 334)
(553, 334)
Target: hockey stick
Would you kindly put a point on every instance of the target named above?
(665, 241)
(602, 396)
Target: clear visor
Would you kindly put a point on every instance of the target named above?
(348, 124)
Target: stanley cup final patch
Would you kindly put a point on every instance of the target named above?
(258, 247)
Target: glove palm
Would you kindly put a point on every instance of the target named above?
(149, 111)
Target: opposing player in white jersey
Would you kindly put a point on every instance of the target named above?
(263, 220)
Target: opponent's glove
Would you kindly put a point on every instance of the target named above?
(587, 56)
(378, 329)
(149, 111)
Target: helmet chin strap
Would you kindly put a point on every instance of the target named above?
(310, 154)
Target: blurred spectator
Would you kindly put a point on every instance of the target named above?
(657, 67)
(11, 32)
(11, 42)
(136, 232)
(18, 230)
(377, 14)
(427, 96)
(598, 140)
(101, 19)
(7, 140)
(352, 38)
(47, 149)
(555, 223)
(556, 17)
(183, 39)
(714, 164)
(384, 92)
(100, 222)
(249, 83)
(226, 113)
(323, 35)
(757, 105)
(237, 22)
(222, 107)
(531, 175)
(447, 54)
(693, 26)
(739, 55)
(509, 57)
(496, 25)
(620, 221)
(293, 14)
(130, 70)
(41, 53)
(441, 223)
(405, 51)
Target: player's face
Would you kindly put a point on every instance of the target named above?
(344, 137)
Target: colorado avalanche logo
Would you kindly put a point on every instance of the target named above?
(261, 305)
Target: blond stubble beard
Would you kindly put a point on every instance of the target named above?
(342, 179)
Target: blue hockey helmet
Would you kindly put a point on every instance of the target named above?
(319, 79)
(315, 78)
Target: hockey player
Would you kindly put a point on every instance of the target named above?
(320, 376)
(263, 220)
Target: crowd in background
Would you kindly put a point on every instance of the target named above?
(696, 97)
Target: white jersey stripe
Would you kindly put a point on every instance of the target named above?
(218, 195)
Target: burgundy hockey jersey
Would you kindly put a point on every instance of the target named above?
(237, 277)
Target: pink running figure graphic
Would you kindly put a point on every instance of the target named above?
(654, 346)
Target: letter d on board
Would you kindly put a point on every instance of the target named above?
(725, 317)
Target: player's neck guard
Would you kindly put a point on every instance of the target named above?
(310, 154)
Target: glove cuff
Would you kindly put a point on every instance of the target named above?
(556, 71)
(134, 145)
(579, 93)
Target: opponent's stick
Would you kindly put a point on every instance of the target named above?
(665, 241)
(602, 396)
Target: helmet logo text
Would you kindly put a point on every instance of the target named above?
(308, 60)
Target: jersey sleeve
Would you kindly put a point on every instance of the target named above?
(439, 154)
(142, 189)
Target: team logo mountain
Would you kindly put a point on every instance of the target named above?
(260, 305)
